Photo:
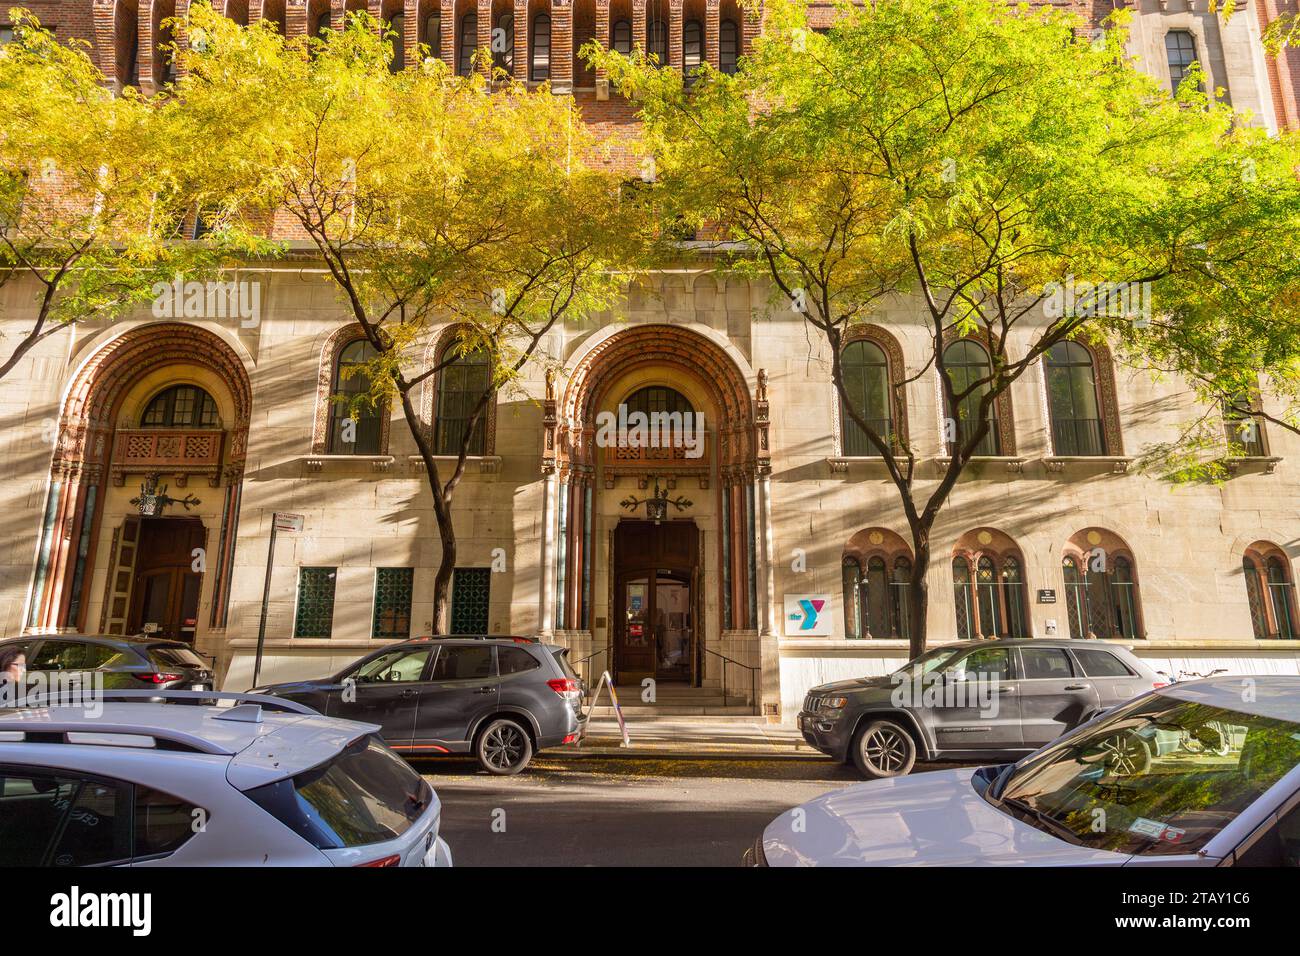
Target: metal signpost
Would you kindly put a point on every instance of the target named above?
(280, 521)
(605, 681)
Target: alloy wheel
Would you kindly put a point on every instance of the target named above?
(504, 746)
(885, 750)
(1125, 754)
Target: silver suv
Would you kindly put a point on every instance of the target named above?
(972, 700)
(135, 783)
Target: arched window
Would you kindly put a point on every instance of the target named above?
(1072, 401)
(503, 43)
(181, 406)
(1271, 594)
(656, 37)
(1013, 587)
(1180, 51)
(397, 39)
(658, 398)
(540, 57)
(866, 380)
(622, 37)
(728, 46)
(1281, 594)
(165, 56)
(460, 388)
(322, 24)
(433, 34)
(356, 428)
(876, 600)
(1101, 595)
(900, 591)
(852, 578)
(990, 596)
(968, 363)
(468, 42)
(692, 48)
(963, 597)
(127, 33)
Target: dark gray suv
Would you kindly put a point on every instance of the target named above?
(501, 699)
(972, 700)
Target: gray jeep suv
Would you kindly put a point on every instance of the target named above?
(973, 700)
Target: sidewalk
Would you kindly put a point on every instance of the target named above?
(693, 738)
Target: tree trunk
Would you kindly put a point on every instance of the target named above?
(918, 596)
(442, 514)
(446, 564)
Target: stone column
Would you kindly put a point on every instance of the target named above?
(675, 34)
(712, 33)
(751, 26)
(769, 653)
(522, 26)
(295, 18)
(546, 605)
(638, 24)
(602, 37)
(448, 51)
(485, 24)
(411, 31)
(561, 46)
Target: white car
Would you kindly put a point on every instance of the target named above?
(1193, 774)
(156, 784)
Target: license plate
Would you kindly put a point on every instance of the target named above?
(198, 687)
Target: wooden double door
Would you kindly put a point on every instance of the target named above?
(165, 596)
(656, 601)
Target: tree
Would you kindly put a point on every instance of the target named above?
(971, 159)
(431, 199)
(84, 193)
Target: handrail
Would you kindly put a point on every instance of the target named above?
(753, 676)
(586, 682)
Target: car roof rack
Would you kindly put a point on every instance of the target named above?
(71, 696)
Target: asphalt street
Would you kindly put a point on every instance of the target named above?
(621, 811)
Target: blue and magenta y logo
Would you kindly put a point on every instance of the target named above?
(808, 611)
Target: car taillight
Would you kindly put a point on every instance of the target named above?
(393, 860)
(564, 686)
(1158, 684)
(158, 678)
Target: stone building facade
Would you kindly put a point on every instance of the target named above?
(143, 462)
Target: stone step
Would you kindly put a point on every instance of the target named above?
(655, 712)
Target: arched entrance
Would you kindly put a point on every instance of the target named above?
(655, 552)
(141, 514)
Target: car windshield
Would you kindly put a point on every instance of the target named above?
(927, 662)
(1159, 776)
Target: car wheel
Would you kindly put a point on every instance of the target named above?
(883, 748)
(1126, 754)
(503, 748)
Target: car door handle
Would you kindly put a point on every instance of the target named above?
(485, 690)
(408, 693)
(1006, 689)
(1077, 686)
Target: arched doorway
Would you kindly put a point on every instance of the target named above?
(142, 509)
(655, 559)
